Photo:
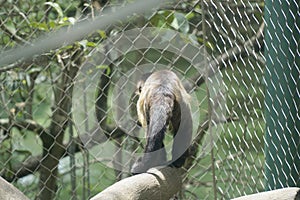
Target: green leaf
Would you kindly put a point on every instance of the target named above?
(198, 9)
(190, 15)
(210, 45)
(83, 43)
(11, 28)
(34, 70)
(162, 19)
(207, 44)
(41, 26)
(180, 23)
(104, 67)
(102, 34)
(57, 7)
(91, 44)
(86, 43)
(52, 24)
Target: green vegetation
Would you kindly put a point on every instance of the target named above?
(41, 146)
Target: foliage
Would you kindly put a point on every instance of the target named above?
(34, 91)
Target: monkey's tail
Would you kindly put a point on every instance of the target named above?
(159, 115)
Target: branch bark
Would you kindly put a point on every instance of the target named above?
(9, 192)
(111, 131)
(292, 193)
(155, 184)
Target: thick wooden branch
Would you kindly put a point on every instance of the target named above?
(292, 193)
(9, 192)
(155, 184)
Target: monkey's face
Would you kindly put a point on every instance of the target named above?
(140, 84)
(135, 97)
(139, 87)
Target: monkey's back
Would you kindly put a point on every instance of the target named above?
(164, 82)
(163, 103)
(160, 86)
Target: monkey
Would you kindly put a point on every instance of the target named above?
(163, 103)
(134, 97)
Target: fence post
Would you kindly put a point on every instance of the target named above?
(282, 96)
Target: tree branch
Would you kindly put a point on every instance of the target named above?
(31, 164)
(220, 62)
(29, 125)
(201, 131)
(13, 35)
(101, 107)
(8, 191)
(154, 184)
(292, 193)
(41, 60)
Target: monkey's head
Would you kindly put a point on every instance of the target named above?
(135, 96)
(141, 82)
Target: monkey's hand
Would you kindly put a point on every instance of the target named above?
(138, 167)
(149, 160)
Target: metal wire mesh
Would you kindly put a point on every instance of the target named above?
(68, 115)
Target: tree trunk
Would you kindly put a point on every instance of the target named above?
(52, 139)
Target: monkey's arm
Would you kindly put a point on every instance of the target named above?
(157, 118)
(183, 128)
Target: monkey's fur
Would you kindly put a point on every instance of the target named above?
(163, 102)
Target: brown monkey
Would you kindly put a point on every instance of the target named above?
(163, 101)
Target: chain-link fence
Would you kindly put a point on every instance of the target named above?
(69, 73)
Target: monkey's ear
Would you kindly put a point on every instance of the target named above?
(136, 92)
(140, 85)
(140, 89)
(139, 123)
